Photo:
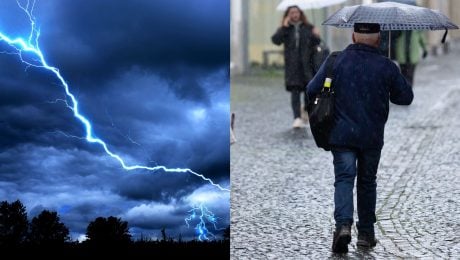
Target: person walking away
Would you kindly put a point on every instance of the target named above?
(410, 46)
(364, 82)
(299, 39)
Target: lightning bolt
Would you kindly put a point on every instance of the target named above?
(57, 100)
(31, 46)
(204, 215)
(24, 47)
(67, 135)
(128, 136)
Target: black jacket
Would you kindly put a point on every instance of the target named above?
(297, 59)
(364, 83)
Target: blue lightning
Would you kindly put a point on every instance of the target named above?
(31, 46)
(128, 136)
(204, 216)
(24, 47)
(67, 135)
(57, 100)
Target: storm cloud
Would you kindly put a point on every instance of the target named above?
(152, 77)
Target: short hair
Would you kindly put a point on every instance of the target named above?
(367, 38)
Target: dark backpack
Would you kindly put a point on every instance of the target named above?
(321, 109)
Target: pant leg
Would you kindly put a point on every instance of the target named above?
(345, 172)
(366, 185)
(405, 70)
(305, 99)
(295, 102)
(410, 73)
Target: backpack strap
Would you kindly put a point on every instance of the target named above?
(329, 70)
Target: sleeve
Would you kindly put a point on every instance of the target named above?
(400, 90)
(314, 40)
(279, 36)
(316, 84)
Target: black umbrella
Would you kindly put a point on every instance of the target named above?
(391, 16)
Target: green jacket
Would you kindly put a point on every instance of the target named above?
(416, 47)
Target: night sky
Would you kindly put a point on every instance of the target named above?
(152, 77)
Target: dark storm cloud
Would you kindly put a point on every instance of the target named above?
(168, 214)
(59, 180)
(147, 33)
(155, 186)
(161, 127)
(152, 78)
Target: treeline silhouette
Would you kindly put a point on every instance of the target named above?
(46, 235)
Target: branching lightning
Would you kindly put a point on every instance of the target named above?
(67, 135)
(60, 100)
(128, 136)
(30, 47)
(204, 215)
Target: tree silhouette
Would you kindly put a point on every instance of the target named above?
(13, 223)
(109, 230)
(163, 234)
(226, 234)
(108, 235)
(46, 229)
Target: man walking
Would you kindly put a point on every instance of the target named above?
(364, 83)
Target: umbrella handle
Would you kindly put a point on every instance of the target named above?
(444, 37)
(389, 44)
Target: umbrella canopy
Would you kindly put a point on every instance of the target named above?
(307, 4)
(391, 16)
(407, 2)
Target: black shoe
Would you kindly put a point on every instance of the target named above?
(366, 240)
(342, 238)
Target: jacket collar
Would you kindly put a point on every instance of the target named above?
(362, 47)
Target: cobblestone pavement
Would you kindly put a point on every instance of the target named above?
(282, 185)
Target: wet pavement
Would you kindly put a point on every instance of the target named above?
(282, 184)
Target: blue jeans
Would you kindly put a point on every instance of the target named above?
(347, 164)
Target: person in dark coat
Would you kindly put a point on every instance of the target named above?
(299, 39)
(364, 82)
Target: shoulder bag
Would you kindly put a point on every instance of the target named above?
(321, 109)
